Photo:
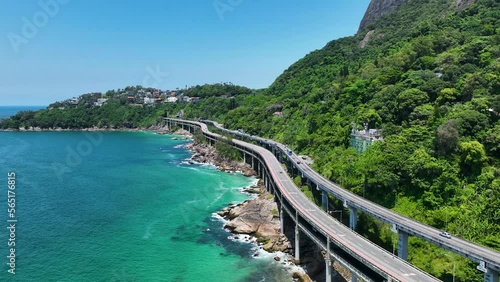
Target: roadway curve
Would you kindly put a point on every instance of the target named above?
(455, 244)
(375, 257)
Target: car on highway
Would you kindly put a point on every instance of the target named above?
(445, 234)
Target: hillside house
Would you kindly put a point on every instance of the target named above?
(361, 140)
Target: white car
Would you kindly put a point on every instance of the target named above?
(445, 234)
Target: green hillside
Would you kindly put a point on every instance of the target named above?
(428, 77)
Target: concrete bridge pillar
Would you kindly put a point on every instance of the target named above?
(282, 220)
(329, 269)
(324, 200)
(297, 244)
(491, 275)
(354, 278)
(402, 245)
(353, 217)
(253, 165)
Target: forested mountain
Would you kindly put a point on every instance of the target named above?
(427, 73)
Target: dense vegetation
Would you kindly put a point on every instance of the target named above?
(429, 77)
(218, 89)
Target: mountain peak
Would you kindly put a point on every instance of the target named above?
(379, 8)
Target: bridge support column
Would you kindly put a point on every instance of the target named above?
(354, 278)
(353, 218)
(253, 165)
(280, 157)
(282, 220)
(244, 157)
(297, 244)
(402, 245)
(491, 276)
(329, 269)
(324, 200)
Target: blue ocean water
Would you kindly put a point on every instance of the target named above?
(7, 111)
(119, 206)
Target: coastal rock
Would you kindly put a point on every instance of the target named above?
(259, 218)
(301, 277)
(203, 153)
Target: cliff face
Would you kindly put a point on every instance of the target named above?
(377, 9)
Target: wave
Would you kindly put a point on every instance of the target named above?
(149, 229)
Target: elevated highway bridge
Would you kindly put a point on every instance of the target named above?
(328, 233)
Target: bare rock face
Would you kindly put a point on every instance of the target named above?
(462, 4)
(379, 8)
(365, 40)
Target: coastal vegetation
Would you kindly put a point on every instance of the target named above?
(427, 75)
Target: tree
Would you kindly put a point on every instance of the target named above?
(473, 156)
(408, 100)
(447, 137)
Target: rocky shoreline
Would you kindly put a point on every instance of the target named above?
(258, 217)
(206, 154)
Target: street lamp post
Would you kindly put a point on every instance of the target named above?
(454, 265)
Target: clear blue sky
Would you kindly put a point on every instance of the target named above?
(80, 46)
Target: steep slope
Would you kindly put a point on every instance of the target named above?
(377, 9)
(429, 77)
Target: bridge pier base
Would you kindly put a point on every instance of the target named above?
(491, 276)
(297, 244)
(402, 245)
(324, 200)
(353, 218)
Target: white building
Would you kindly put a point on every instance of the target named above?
(172, 100)
(149, 101)
(100, 102)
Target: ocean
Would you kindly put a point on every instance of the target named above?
(7, 111)
(118, 206)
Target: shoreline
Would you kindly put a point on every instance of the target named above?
(154, 128)
(257, 218)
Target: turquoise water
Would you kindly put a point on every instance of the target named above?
(7, 111)
(119, 206)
